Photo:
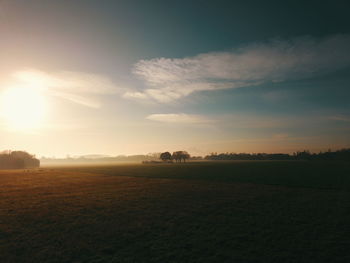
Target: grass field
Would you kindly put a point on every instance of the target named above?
(251, 211)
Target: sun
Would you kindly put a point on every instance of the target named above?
(23, 108)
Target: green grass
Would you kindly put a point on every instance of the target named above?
(195, 212)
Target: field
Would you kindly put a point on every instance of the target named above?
(253, 211)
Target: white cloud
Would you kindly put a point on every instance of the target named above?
(274, 61)
(78, 87)
(177, 118)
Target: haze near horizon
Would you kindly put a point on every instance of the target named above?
(132, 77)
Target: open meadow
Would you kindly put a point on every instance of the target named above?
(248, 211)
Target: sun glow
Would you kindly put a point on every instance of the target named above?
(23, 108)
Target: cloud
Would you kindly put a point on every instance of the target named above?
(177, 118)
(252, 122)
(340, 118)
(134, 95)
(78, 87)
(169, 79)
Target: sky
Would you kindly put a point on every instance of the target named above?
(135, 77)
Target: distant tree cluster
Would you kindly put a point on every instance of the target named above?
(343, 155)
(248, 156)
(18, 160)
(178, 156)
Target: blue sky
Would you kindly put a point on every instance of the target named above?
(125, 77)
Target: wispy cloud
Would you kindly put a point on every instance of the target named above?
(340, 118)
(134, 95)
(274, 61)
(177, 118)
(78, 87)
(252, 122)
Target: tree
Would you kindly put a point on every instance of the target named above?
(176, 156)
(18, 160)
(165, 156)
(185, 155)
(180, 155)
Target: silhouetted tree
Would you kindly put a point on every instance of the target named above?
(165, 156)
(180, 155)
(185, 155)
(18, 160)
(176, 156)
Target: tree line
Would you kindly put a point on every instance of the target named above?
(18, 160)
(183, 156)
(341, 155)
